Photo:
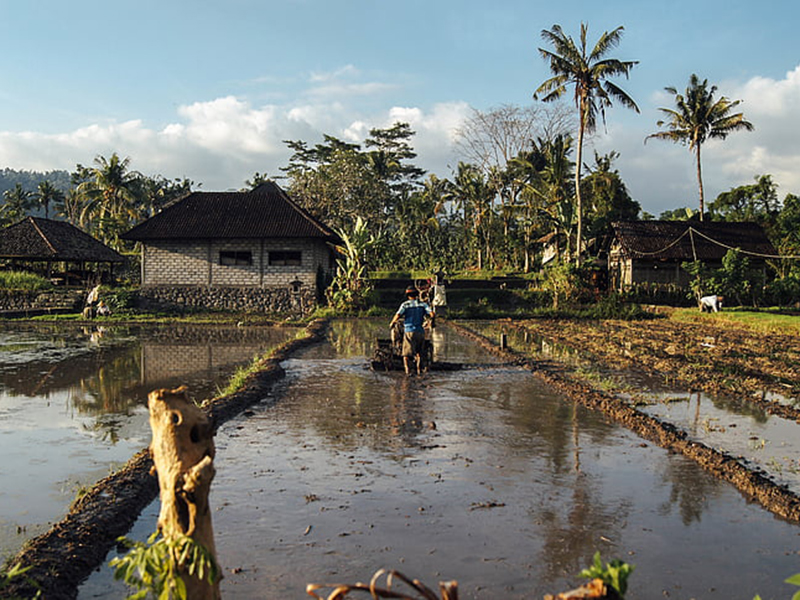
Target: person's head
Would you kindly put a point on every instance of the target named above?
(412, 292)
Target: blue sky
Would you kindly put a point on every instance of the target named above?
(208, 90)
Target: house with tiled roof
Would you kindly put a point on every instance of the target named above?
(55, 248)
(241, 244)
(652, 252)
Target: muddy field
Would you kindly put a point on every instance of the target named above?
(710, 355)
(308, 521)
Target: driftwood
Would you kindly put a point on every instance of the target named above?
(183, 453)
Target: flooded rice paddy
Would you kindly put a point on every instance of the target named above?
(73, 404)
(486, 476)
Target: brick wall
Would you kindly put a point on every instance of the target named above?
(198, 263)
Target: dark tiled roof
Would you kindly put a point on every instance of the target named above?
(265, 212)
(34, 238)
(685, 240)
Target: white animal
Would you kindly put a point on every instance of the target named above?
(711, 303)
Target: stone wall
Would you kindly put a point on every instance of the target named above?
(281, 300)
(23, 300)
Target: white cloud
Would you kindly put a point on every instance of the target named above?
(222, 142)
(661, 175)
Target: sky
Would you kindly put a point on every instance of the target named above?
(209, 90)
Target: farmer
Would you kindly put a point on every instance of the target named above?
(711, 303)
(413, 313)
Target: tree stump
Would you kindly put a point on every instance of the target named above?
(183, 453)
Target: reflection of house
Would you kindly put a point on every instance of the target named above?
(257, 239)
(57, 248)
(652, 251)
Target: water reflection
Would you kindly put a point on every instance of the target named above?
(73, 403)
(485, 475)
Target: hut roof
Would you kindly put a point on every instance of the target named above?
(690, 240)
(35, 238)
(264, 212)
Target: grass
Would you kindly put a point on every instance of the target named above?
(761, 321)
(21, 280)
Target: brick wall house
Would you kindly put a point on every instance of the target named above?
(256, 240)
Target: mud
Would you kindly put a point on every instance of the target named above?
(597, 341)
(63, 557)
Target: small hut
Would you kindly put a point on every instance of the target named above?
(57, 250)
(652, 252)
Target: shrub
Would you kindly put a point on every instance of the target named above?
(23, 280)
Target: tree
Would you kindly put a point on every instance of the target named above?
(17, 202)
(112, 195)
(607, 196)
(45, 194)
(257, 180)
(698, 117)
(588, 71)
(755, 202)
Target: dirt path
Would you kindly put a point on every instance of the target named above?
(710, 357)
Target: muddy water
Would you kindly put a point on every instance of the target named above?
(485, 476)
(73, 404)
(762, 441)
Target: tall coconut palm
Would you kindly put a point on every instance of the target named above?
(697, 117)
(16, 203)
(45, 194)
(112, 195)
(588, 71)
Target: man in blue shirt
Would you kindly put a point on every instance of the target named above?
(413, 313)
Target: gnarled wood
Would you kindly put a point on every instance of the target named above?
(183, 453)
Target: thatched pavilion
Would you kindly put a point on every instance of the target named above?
(57, 250)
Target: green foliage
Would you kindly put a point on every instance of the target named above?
(614, 306)
(351, 289)
(156, 567)
(120, 298)
(23, 280)
(7, 577)
(566, 284)
(793, 580)
(615, 573)
(736, 280)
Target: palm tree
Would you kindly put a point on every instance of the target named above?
(16, 203)
(112, 196)
(588, 71)
(46, 193)
(697, 117)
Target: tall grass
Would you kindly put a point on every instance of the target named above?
(23, 280)
(763, 321)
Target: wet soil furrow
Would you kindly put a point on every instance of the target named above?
(63, 557)
(776, 498)
(711, 358)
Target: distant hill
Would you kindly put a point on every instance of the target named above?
(29, 180)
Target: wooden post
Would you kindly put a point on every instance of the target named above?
(183, 453)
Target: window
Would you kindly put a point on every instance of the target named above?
(236, 257)
(283, 258)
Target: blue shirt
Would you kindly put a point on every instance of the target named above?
(413, 313)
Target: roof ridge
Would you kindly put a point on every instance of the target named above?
(303, 212)
(41, 233)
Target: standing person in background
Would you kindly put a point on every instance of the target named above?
(439, 294)
(413, 312)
